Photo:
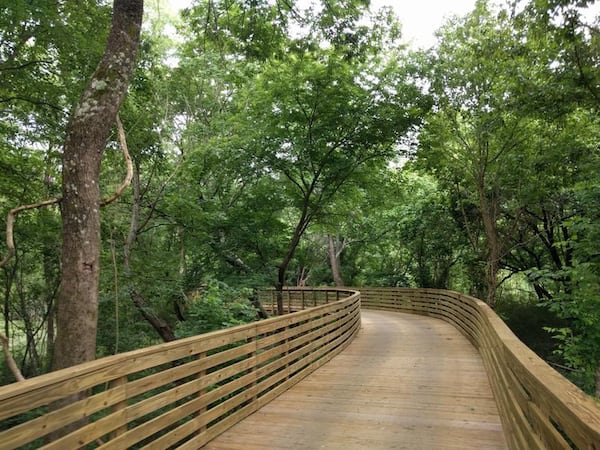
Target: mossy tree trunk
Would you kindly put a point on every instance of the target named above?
(86, 136)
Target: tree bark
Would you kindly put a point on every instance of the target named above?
(260, 311)
(334, 260)
(489, 215)
(86, 136)
(301, 227)
(163, 329)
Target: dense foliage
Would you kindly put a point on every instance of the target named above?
(278, 145)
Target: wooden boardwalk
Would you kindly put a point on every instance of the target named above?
(406, 382)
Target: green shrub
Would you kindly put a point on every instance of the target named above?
(218, 306)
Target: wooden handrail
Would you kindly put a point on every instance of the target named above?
(182, 393)
(297, 298)
(540, 409)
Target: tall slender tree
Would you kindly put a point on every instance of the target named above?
(476, 137)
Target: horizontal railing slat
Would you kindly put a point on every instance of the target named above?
(188, 390)
(184, 393)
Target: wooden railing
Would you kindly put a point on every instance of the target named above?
(540, 409)
(299, 298)
(180, 394)
(184, 393)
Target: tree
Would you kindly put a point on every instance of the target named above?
(87, 133)
(567, 32)
(315, 119)
(45, 59)
(512, 140)
(477, 137)
(299, 115)
(568, 36)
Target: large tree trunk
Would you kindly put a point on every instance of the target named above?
(87, 133)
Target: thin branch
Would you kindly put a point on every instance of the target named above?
(584, 78)
(154, 205)
(12, 214)
(506, 278)
(128, 163)
(24, 65)
(30, 100)
(560, 366)
(10, 360)
(10, 222)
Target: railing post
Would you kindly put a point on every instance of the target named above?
(302, 298)
(287, 352)
(202, 391)
(121, 381)
(289, 299)
(252, 355)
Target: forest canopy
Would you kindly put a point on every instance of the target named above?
(273, 144)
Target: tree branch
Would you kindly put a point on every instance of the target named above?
(30, 100)
(12, 214)
(128, 163)
(12, 365)
(24, 65)
(10, 222)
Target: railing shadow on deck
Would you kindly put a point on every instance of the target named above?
(184, 393)
(179, 394)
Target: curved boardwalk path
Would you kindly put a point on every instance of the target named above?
(405, 382)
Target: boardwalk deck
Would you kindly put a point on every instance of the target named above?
(406, 382)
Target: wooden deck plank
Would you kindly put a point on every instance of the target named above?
(406, 382)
